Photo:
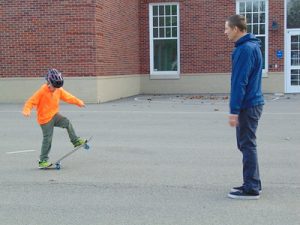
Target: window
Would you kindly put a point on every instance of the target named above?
(256, 17)
(164, 41)
(293, 14)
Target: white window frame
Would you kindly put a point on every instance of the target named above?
(266, 56)
(163, 74)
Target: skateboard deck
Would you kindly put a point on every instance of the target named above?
(57, 163)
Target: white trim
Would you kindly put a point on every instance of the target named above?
(290, 88)
(287, 55)
(163, 74)
(285, 49)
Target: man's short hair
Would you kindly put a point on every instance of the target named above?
(237, 21)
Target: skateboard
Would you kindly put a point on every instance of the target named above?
(57, 164)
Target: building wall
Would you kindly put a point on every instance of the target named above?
(79, 38)
(102, 47)
(37, 35)
(203, 46)
(117, 37)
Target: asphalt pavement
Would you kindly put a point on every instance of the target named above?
(154, 160)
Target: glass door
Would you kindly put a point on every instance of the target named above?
(293, 62)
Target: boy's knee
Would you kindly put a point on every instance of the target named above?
(65, 123)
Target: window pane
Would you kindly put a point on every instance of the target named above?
(155, 10)
(262, 18)
(295, 77)
(161, 32)
(168, 21)
(294, 38)
(255, 17)
(295, 59)
(174, 9)
(155, 21)
(262, 29)
(174, 21)
(165, 55)
(174, 32)
(155, 32)
(293, 14)
(168, 32)
(249, 18)
(249, 28)
(294, 46)
(255, 29)
(262, 7)
(255, 6)
(248, 6)
(242, 7)
(161, 21)
(161, 10)
(168, 10)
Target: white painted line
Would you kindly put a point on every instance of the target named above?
(23, 151)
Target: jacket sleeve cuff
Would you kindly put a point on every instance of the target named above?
(234, 111)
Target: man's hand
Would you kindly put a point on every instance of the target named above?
(233, 120)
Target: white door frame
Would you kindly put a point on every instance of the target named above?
(288, 87)
(287, 54)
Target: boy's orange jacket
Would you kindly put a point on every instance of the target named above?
(47, 102)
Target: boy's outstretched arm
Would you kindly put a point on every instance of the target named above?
(69, 98)
(30, 103)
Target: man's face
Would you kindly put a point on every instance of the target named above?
(232, 33)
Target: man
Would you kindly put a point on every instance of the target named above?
(246, 102)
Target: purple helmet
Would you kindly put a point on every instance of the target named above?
(55, 78)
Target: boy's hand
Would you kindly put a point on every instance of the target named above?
(26, 113)
(81, 104)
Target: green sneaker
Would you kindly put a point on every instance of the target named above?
(44, 164)
(79, 142)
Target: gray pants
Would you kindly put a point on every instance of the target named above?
(246, 141)
(47, 129)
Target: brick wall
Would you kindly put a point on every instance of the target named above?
(276, 37)
(36, 35)
(104, 37)
(203, 46)
(80, 38)
(117, 41)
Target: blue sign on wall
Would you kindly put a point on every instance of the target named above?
(279, 54)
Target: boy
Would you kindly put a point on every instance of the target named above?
(46, 101)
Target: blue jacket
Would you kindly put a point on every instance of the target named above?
(246, 74)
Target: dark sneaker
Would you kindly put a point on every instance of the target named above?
(44, 164)
(241, 188)
(79, 142)
(243, 195)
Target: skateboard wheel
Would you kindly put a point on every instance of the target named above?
(57, 166)
(86, 146)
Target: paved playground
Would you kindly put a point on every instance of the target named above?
(154, 160)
